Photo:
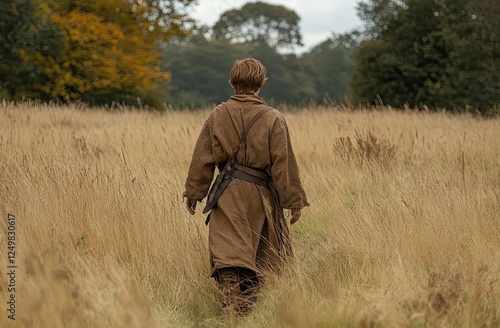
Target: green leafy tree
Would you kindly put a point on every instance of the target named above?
(333, 66)
(95, 51)
(200, 72)
(425, 52)
(260, 22)
(200, 66)
(24, 30)
(290, 81)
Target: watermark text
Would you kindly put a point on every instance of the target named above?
(11, 266)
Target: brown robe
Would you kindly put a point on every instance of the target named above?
(242, 230)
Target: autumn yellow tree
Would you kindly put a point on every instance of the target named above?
(108, 48)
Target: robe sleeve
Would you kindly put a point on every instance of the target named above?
(284, 167)
(201, 169)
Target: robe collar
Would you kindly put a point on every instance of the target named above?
(248, 98)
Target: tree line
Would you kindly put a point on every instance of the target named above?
(438, 53)
(200, 64)
(416, 53)
(91, 51)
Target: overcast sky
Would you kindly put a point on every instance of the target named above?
(319, 18)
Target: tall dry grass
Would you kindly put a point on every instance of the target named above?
(403, 231)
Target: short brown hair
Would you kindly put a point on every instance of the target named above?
(247, 76)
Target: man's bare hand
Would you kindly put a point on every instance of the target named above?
(191, 205)
(296, 213)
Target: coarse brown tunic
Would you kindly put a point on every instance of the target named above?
(242, 229)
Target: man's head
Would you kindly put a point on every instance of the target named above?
(247, 76)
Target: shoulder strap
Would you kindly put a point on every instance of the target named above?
(249, 126)
(252, 121)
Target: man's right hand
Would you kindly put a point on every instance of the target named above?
(191, 205)
(296, 213)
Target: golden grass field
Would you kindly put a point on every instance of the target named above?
(403, 228)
